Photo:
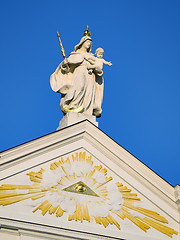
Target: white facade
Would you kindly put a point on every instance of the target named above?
(39, 199)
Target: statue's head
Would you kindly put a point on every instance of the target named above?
(86, 42)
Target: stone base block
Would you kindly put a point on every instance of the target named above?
(71, 118)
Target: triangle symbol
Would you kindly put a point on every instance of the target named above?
(80, 188)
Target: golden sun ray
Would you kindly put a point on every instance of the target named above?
(80, 168)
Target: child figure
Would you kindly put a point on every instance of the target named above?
(97, 62)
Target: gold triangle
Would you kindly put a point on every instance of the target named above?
(81, 188)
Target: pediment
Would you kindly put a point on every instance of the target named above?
(79, 187)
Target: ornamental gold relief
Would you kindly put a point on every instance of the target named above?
(83, 191)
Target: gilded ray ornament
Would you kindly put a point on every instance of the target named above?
(82, 191)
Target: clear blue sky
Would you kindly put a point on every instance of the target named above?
(141, 107)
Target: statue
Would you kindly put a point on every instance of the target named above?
(79, 78)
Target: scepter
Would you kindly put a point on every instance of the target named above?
(62, 49)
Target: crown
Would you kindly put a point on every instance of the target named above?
(87, 32)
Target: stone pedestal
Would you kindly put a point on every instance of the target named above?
(72, 117)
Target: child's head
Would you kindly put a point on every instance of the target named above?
(99, 52)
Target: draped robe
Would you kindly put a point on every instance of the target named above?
(81, 90)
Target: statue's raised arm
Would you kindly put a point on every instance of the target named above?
(79, 80)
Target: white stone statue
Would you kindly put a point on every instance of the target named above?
(79, 79)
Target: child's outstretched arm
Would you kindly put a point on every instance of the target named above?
(107, 63)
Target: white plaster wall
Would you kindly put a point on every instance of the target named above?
(6, 234)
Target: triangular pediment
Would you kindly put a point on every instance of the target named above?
(71, 179)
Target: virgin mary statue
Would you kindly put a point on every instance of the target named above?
(81, 88)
